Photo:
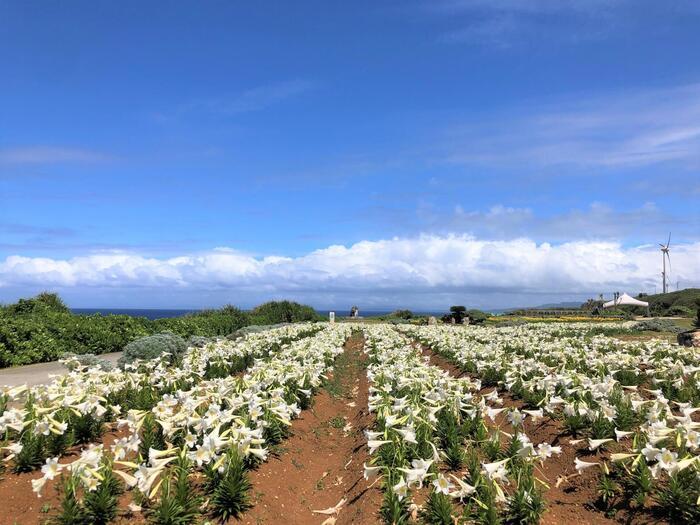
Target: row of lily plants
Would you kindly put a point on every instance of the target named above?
(441, 457)
(76, 408)
(187, 434)
(633, 403)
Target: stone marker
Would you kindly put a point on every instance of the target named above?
(331, 317)
(432, 320)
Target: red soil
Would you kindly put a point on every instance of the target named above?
(573, 501)
(20, 505)
(322, 463)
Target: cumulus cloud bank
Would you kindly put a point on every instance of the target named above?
(400, 266)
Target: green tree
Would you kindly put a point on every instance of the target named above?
(402, 314)
(275, 312)
(458, 313)
(42, 328)
(477, 316)
(45, 301)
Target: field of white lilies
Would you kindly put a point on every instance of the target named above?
(527, 424)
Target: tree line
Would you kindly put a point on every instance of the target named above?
(42, 328)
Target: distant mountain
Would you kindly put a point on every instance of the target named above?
(565, 304)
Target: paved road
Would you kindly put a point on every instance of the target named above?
(39, 373)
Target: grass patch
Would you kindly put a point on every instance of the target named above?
(337, 422)
(347, 366)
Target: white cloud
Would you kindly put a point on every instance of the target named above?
(392, 268)
(595, 222)
(625, 129)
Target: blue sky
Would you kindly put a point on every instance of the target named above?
(190, 154)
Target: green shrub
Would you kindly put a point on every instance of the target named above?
(152, 347)
(477, 316)
(197, 341)
(45, 301)
(208, 323)
(680, 311)
(458, 313)
(402, 314)
(274, 312)
(658, 325)
(42, 328)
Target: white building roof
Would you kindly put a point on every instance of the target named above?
(625, 299)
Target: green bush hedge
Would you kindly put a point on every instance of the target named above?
(47, 335)
(658, 325)
(275, 312)
(43, 329)
(207, 323)
(477, 316)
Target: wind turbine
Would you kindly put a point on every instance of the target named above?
(665, 255)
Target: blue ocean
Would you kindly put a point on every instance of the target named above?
(160, 313)
(149, 313)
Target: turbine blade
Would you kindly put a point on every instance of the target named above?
(669, 239)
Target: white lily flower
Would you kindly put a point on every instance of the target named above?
(583, 465)
(375, 444)
(401, 489)
(370, 472)
(51, 468)
(594, 444)
(496, 471)
(621, 434)
(464, 490)
(442, 484)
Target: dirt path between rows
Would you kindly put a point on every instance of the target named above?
(321, 463)
(573, 501)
